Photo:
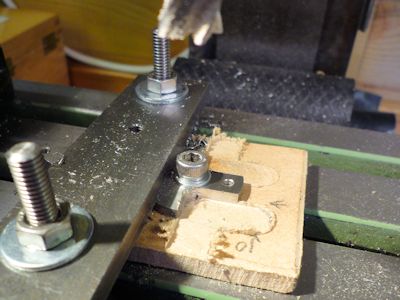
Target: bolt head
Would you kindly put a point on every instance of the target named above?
(165, 86)
(46, 236)
(192, 164)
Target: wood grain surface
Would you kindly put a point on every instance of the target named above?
(256, 241)
(376, 57)
(86, 76)
(33, 47)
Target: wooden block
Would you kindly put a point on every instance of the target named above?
(118, 30)
(32, 45)
(375, 60)
(390, 106)
(99, 79)
(255, 242)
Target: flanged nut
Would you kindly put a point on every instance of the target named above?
(47, 236)
(192, 167)
(164, 86)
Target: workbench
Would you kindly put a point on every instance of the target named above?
(352, 221)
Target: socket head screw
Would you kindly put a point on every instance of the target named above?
(192, 167)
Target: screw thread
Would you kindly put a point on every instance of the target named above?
(161, 57)
(28, 169)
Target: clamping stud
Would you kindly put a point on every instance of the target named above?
(45, 234)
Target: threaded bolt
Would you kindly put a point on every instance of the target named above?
(161, 57)
(28, 169)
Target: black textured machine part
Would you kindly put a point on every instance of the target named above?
(272, 91)
(374, 120)
(366, 101)
(276, 33)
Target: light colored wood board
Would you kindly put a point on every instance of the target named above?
(390, 106)
(380, 63)
(49, 68)
(24, 37)
(118, 30)
(381, 66)
(255, 242)
(18, 22)
(99, 79)
(18, 38)
(358, 52)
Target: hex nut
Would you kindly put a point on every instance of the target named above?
(165, 86)
(46, 236)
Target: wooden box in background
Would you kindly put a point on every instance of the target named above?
(32, 44)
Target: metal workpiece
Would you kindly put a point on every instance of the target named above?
(192, 167)
(195, 177)
(113, 170)
(172, 191)
(28, 242)
(162, 85)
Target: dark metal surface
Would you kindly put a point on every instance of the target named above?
(8, 198)
(342, 19)
(328, 272)
(302, 35)
(53, 137)
(113, 172)
(303, 131)
(6, 87)
(57, 103)
(57, 137)
(274, 33)
(358, 195)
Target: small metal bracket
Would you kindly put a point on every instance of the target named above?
(171, 191)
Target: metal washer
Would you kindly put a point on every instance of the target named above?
(145, 95)
(16, 256)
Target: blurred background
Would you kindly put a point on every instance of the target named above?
(103, 44)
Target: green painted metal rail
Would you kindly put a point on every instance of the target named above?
(338, 228)
(333, 158)
(319, 225)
